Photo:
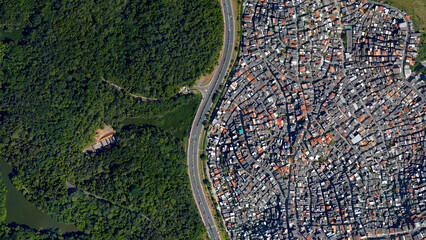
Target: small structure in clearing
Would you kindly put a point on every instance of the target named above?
(104, 139)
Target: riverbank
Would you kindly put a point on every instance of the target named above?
(20, 211)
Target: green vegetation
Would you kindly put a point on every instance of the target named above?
(12, 34)
(321, 160)
(345, 38)
(53, 55)
(176, 120)
(148, 47)
(127, 176)
(15, 231)
(143, 175)
(3, 191)
(418, 67)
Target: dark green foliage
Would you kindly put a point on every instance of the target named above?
(101, 218)
(177, 42)
(3, 192)
(15, 231)
(127, 176)
(418, 66)
(59, 158)
(345, 38)
(149, 47)
(176, 120)
(52, 57)
(321, 160)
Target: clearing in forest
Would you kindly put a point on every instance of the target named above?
(103, 139)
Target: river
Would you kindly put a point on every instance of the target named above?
(20, 211)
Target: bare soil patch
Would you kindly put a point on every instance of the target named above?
(205, 80)
(102, 134)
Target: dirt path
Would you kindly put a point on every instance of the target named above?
(70, 186)
(184, 90)
(145, 99)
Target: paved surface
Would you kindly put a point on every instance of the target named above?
(197, 125)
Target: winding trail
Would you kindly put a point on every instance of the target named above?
(69, 185)
(144, 99)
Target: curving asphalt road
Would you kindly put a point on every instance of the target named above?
(205, 106)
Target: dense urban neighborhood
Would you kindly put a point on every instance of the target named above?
(320, 133)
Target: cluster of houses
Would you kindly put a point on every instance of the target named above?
(104, 139)
(321, 131)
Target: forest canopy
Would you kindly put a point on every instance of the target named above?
(148, 47)
(53, 55)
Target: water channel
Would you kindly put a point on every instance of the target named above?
(20, 211)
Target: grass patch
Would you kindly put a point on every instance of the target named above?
(178, 120)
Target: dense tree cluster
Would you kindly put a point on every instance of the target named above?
(53, 55)
(15, 231)
(144, 174)
(128, 177)
(3, 191)
(149, 47)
